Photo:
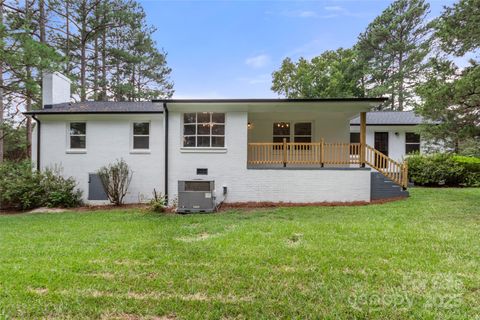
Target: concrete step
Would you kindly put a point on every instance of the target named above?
(383, 187)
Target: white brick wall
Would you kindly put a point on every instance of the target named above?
(108, 138)
(229, 168)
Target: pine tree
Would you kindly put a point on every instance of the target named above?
(393, 50)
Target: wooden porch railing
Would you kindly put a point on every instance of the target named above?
(321, 154)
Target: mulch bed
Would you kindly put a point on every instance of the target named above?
(247, 206)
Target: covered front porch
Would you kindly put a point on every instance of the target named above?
(315, 136)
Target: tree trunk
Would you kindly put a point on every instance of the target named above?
(28, 92)
(41, 23)
(401, 82)
(1, 89)
(67, 40)
(103, 96)
(83, 52)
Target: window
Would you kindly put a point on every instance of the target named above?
(302, 132)
(204, 129)
(412, 142)
(354, 137)
(141, 135)
(78, 135)
(281, 130)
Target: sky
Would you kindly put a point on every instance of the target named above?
(229, 49)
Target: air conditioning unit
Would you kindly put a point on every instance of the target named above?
(196, 196)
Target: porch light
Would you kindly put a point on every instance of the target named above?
(249, 125)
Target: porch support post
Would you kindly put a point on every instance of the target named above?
(363, 137)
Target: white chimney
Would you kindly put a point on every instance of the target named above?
(55, 88)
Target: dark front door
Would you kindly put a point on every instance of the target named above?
(381, 144)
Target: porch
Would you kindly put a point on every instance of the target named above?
(298, 143)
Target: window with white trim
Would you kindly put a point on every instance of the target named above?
(281, 130)
(141, 135)
(299, 132)
(302, 132)
(204, 130)
(412, 142)
(78, 135)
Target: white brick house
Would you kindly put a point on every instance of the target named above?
(275, 150)
(394, 133)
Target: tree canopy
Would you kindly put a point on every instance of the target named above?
(331, 74)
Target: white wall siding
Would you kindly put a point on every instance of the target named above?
(108, 138)
(396, 142)
(229, 168)
(331, 126)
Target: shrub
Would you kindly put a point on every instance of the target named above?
(116, 178)
(158, 203)
(444, 169)
(23, 188)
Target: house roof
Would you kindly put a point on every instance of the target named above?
(272, 100)
(390, 118)
(156, 107)
(100, 107)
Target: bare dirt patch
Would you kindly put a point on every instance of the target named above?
(39, 291)
(129, 316)
(198, 296)
(199, 237)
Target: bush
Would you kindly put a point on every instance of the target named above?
(443, 169)
(116, 178)
(158, 203)
(23, 188)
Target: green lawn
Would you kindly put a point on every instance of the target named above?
(417, 258)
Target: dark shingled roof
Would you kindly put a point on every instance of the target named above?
(100, 107)
(390, 118)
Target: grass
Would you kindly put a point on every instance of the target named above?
(417, 258)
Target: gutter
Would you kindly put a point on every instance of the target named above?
(165, 111)
(271, 100)
(90, 112)
(39, 125)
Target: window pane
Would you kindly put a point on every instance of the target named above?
(281, 128)
(218, 117)
(411, 148)
(203, 129)
(303, 139)
(140, 142)
(303, 129)
(77, 142)
(354, 137)
(203, 117)
(189, 141)
(78, 128)
(218, 129)
(411, 137)
(218, 142)
(189, 129)
(280, 139)
(203, 141)
(189, 117)
(141, 128)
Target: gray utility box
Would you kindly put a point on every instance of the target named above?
(196, 196)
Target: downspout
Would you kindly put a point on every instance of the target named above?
(38, 140)
(165, 113)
